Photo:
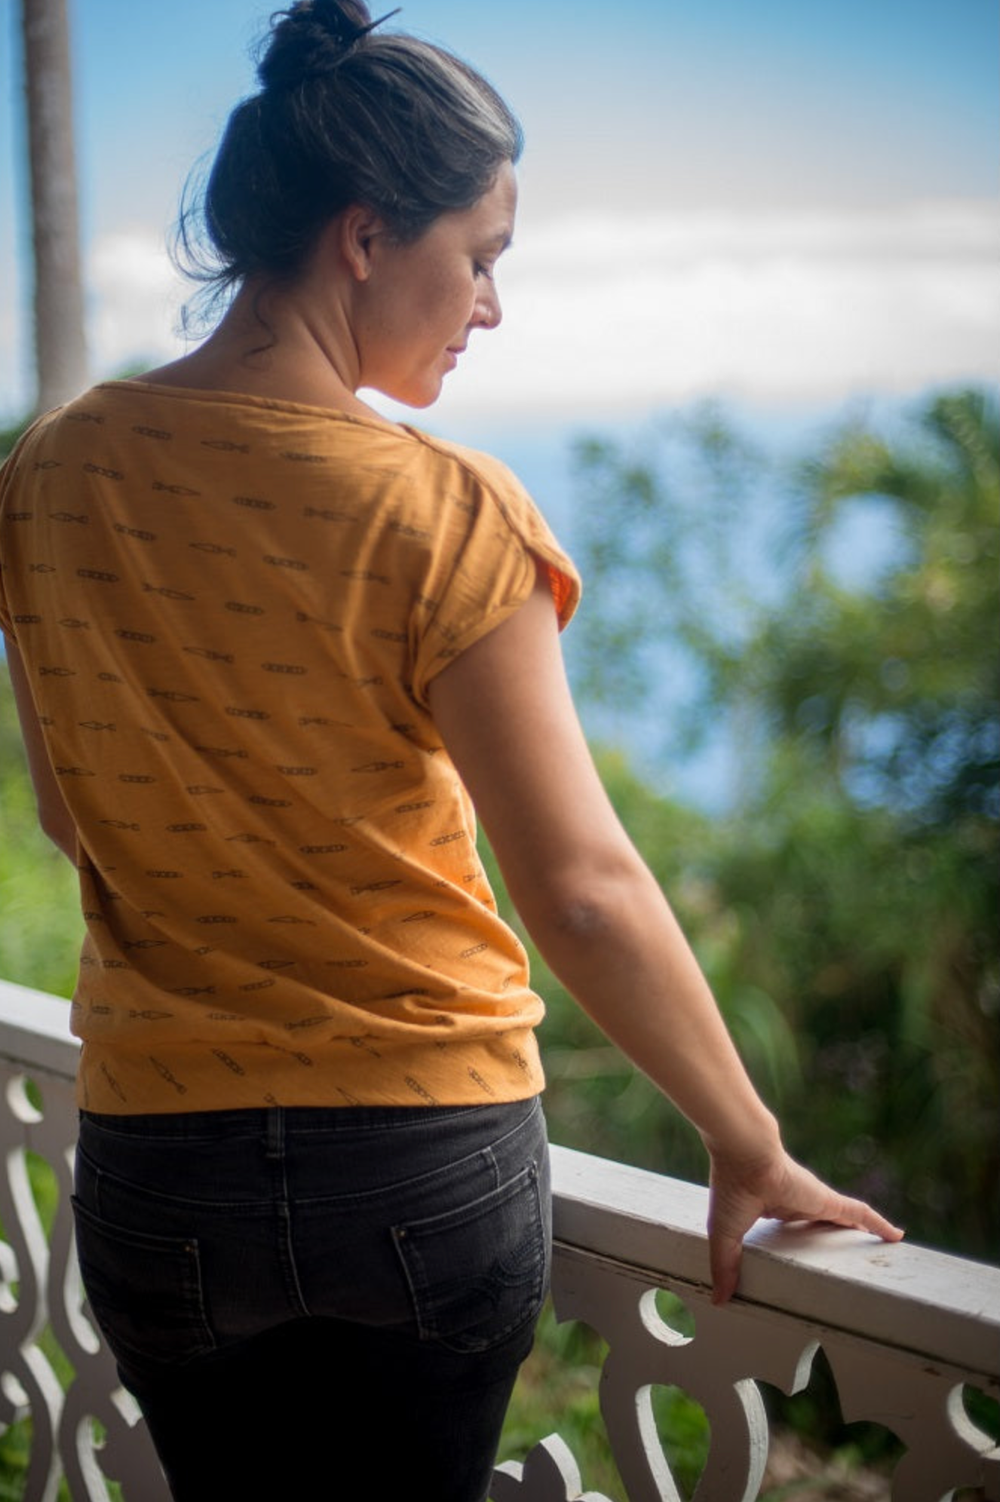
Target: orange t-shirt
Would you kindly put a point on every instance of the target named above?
(229, 610)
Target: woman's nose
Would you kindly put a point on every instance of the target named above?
(488, 309)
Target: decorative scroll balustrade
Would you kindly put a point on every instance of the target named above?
(905, 1330)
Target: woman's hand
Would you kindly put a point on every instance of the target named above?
(780, 1189)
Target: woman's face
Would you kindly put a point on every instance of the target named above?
(421, 301)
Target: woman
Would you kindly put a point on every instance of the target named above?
(267, 646)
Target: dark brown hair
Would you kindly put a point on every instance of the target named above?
(345, 114)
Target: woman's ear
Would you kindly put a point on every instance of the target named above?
(357, 229)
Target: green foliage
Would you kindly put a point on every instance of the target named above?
(844, 904)
(40, 924)
(9, 435)
(662, 537)
(901, 677)
(558, 1390)
(846, 899)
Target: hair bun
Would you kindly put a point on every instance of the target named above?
(311, 39)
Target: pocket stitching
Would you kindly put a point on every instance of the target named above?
(420, 1281)
(183, 1251)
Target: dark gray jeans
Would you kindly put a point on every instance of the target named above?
(308, 1301)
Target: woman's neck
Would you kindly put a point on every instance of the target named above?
(269, 350)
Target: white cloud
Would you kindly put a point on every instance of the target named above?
(134, 298)
(604, 314)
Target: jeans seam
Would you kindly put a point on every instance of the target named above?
(276, 1150)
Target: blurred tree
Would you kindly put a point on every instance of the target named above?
(40, 924)
(10, 435)
(847, 640)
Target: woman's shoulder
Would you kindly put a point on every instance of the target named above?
(480, 468)
(485, 483)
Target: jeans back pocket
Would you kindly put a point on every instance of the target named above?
(145, 1292)
(480, 1271)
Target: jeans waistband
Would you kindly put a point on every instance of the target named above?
(272, 1122)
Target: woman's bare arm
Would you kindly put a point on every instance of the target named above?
(602, 923)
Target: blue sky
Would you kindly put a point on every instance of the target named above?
(775, 202)
(791, 206)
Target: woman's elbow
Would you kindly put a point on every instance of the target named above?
(585, 907)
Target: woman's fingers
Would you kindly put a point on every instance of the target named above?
(725, 1255)
(781, 1191)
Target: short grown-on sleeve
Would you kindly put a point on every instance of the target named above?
(489, 544)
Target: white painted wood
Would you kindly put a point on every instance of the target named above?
(917, 1400)
(35, 1043)
(549, 1474)
(34, 1030)
(903, 1327)
(921, 1403)
(945, 1308)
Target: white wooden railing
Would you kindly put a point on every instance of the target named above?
(905, 1330)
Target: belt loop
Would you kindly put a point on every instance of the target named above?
(275, 1133)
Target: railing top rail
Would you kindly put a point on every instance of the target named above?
(34, 1030)
(943, 1307)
